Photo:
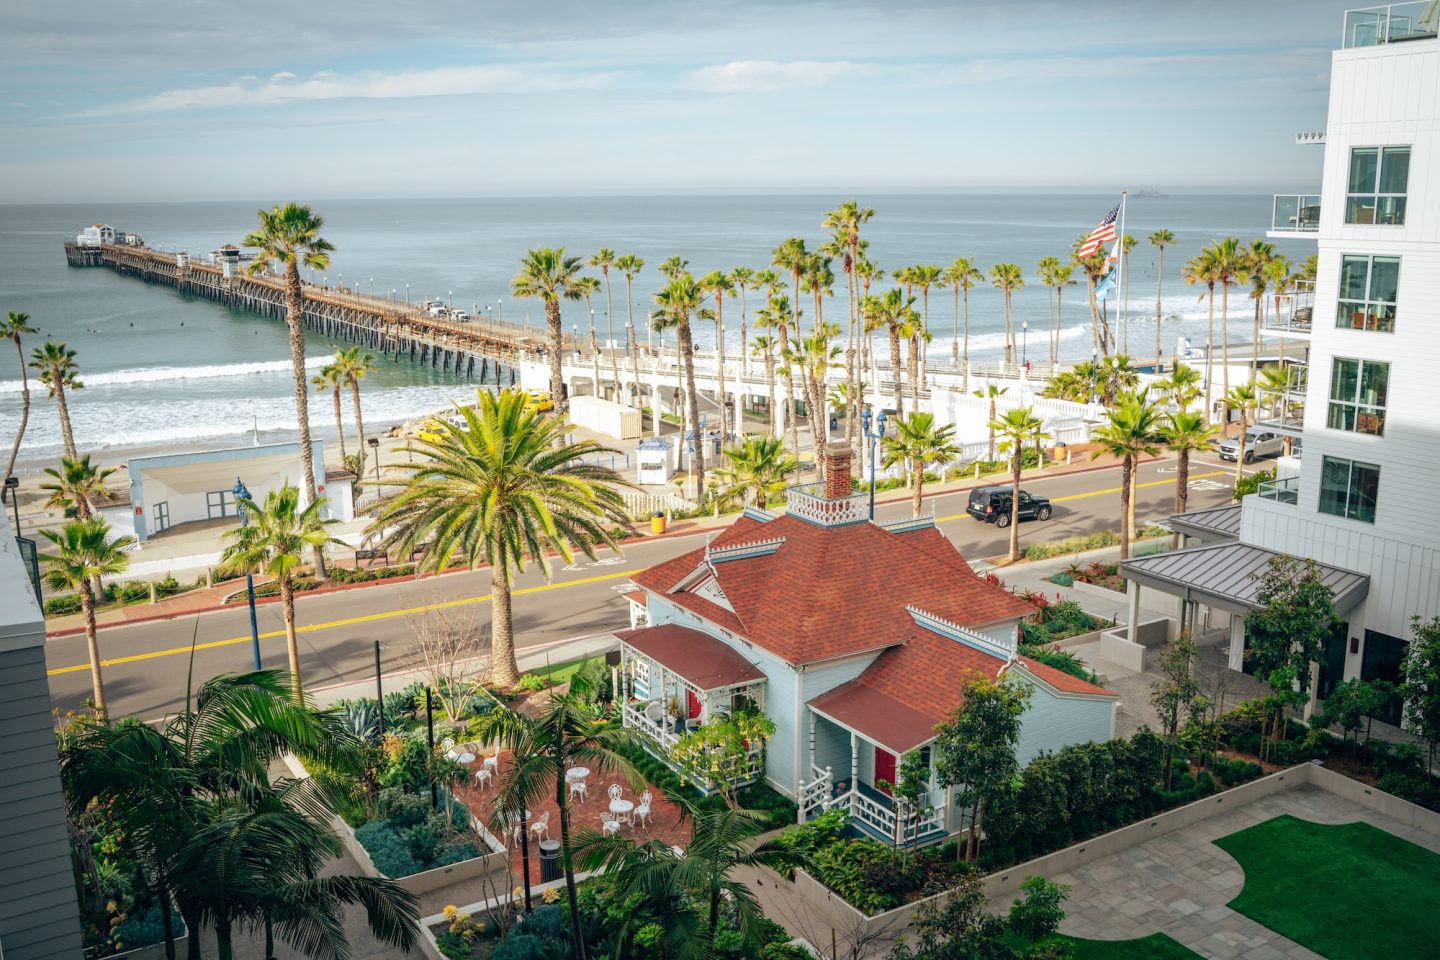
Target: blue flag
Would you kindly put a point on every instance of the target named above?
(1106, 286)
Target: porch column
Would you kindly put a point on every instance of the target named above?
(1237, 643)
(854, 769)
(810, 769)
(1132, 591)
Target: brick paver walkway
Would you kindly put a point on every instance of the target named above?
(1179, 884)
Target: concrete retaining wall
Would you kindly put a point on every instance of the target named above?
(1381, 802)
(156, 951)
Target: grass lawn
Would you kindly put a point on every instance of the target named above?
(1157, 946)
(1347, 891)
(558, 673)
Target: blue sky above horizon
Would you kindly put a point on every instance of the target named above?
(174, 100)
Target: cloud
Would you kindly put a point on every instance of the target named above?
(753, 76)
(286, 87)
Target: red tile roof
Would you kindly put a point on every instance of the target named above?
(708, 663)
(1062, 681)
(832, 591)
(635, 596)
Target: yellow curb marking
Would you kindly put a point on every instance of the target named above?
(1100, 493)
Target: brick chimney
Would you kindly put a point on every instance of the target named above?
(837, 471)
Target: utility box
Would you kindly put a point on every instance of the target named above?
(605, 416)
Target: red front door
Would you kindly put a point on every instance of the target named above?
(884, 769)
(693, 702)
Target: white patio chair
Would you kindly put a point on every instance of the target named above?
(448, 744)
(492, 762)
(609, 823)
(615, 791)
(541, 827)
(642, 811)
(578, 786)
(483, 776)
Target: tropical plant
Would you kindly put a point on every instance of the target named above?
(1045, 269)
(1201, 269)
(918, 441)
(352, 365)
(76, 485)
(1128, 433)
(1095, 266)
(1242, 399)
(672, 267)
(991, 393)
(566, 734)
(1160, 239)
(1181, 386)
(846, 220)
(330, 378)
(85, 552)
(809, 361)
(1118, 375)
(503, 487)
(891, 312)
(1016, 427)
(55, 362)
(1271, 384)
(1257, 259)
(962, 276)
(764, 348)
(1229, 262)
(677, 303)
(1127, 243)
(1185, 432)
(588, 287)
(758, 466)
(1008, 278)
(742, 278)
(15, 326)
(548, 275)
(719, 285)
(290, 236)
(630, 266)
(272, 541)
(602, 260)
(975, 748)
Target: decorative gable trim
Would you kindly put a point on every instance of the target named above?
(947, 628)
(755, 513)
(710, 589)
(742, 551)
(905, 525)
(692, 578)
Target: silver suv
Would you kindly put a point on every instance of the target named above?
(1258, 443)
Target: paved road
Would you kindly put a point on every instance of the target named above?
(146, 664)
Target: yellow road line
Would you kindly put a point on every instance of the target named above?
(366, 618)
(1111, 490)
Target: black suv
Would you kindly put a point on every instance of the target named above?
(992, 504)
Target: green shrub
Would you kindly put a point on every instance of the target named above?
(1063, 579)
(65, 603)
(1076, 544)
(142, 928)
(1250, 482)
(387, 849)
(531, 682)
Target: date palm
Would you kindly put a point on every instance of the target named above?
(919, 441)
(1160, 239)
(84, 552)
(926, 276)
(757, 466)
(1242, 399)
(16, 326)
(961, 276)
(273, 541)
(548, 275)
(1007, 278)
(1129, 432)
(603, 260)
(1185, 432)
(1016, 427)
(719, 285)
(780, 313)
(502, 487)
(1064, 277)
(55, 363)
(671, 267)
(792, 257)
(290, 236)
(676, 304)
(991, 393)
(1119, 376)
(1201, 269)
(630, 266)
(846, 221)
(76, 485)
(809, 360)
(354, 364)
(329, 378)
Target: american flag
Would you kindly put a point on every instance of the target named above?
(1100, 235)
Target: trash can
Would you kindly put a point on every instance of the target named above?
(550, 870)
(657, 521)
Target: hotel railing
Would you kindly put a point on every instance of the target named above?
(1298, 212)
(1392, 23)
(808, 502)
(1281, 491)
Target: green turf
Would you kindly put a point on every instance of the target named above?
(1346, 891)
(1157, 946)
(558, 673)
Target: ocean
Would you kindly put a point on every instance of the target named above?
(165, 370)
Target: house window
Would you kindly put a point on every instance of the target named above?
(1368, 287)
(640, 679)
(1348, 489)
(1357, 396)
(1379, 177)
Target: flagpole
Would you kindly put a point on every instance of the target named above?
(1121, 319)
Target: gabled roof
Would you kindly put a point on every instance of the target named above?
(831, 591)
(1227, 575)
(708, 663)
(1214, 523)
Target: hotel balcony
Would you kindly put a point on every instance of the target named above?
(1392, 23)
(1289, 314)
(1295, 215)
(1281, 491)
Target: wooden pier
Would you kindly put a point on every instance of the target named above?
(397, 330)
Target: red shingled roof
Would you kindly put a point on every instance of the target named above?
(698, 657)
(831, 591)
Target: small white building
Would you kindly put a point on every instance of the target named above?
(654, 461)
(94, 236)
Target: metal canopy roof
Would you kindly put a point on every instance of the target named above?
(1227, 575)
(1215, 523)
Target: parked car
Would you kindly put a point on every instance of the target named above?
(432, 431)
(538, 401)
(1258, 443)
(460, 315)
(992, 505)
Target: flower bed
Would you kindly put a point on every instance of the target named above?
(757, 796)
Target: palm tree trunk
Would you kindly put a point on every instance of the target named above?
(1159, 283)
(1059, 317)
(192, 918)
(1240, 449)
(917, 467)
(24, 414)
(915, 371)
(224, 948)
(1015, 463)
(594, 351)
(295, 322)
(1209, 356)
(359, 421)
(1225, 339)
(744, 337)
(1182, 480)
(339, 423)
(292, 643)
(1255, 337)
(955, 332)
(557, 381)
(66, 433)
(895, 371)
(503, 670)
(720, 362)
(1127, 465)
(92, 643)
(770, 382)
(565, 862)
(965, 344)
(692, 398)
(991, 455)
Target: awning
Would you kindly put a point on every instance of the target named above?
(876, 716)
(697, 658)
(1227, 576)
(1216, 523)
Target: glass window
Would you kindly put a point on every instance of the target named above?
(1357, 396)
(1379, 180)
(1368, 292)
(1349, 489)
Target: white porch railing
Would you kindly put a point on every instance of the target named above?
(814, 796)
(634, 719)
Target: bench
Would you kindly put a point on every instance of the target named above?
(375, 554)
(420, 550)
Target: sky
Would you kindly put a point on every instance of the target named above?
(139, 100)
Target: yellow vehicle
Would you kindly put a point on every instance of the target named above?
(433, 429)
(539, 402)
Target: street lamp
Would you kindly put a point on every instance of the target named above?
(375, 452)
(12, 490)
(874, 439)
(450, 300)
(372, 286)
(500, 310)
(242, 497)
(407, 294)
(1025, 344)
(1094, 363)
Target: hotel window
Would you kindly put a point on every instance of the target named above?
(1348, 489)
(1368, 289)
(1357, 396)
(1379, 177)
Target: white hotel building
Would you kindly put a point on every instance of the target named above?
(1362, 500)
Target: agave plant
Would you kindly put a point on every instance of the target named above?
(361, 719)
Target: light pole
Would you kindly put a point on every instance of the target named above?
(375, 452)
(372, 286)
(407, 294)
(12, 490)
(874, 439)
(500, 310)
(1094, 362)
(242, 497)
(1025, 344)
(450, 300)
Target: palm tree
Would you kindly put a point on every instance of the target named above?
(792, 257)
(1160, 239)
(59, 372)
(1045, 269)
(1095, 267)
(194, 798)
(743, 277)
(962, 275)
(567, 734)
(991, 393)
(1127, 243)
(866, 274)
(1119, 375)
(1018, 426)
(764, 347)
(15, 326)
(918, 441)
(76, 485)
(672, 267)
(1258, 257)
(1243, 399)
(1202, 269)
(926, 276)
(1185, 432)
(329, 378)
(84, 552)
(1228, 261)
(846, 221)
(777, 316)
(891, 311)
(758, 466)
(1008, 278)
(1063, 278)
(502, 487)
(272, 541)
(1129, 432)
(1271, 384)
(353, 364)
(587, 287)
(548, 275)
(676, 303)
(631, 265)
(811, 359)
(290, 236)
(603, 260)
(1181, 386)
(719, 285)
